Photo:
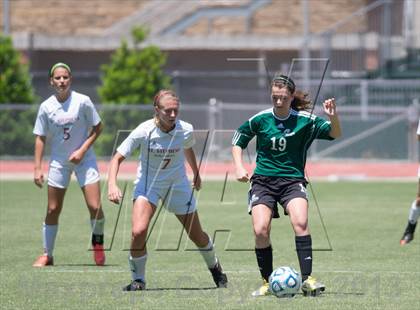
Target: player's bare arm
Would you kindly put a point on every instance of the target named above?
(114, 193)
(241, 173)
(192, 162)
(39, 151)
(330, 109)
(78, 154)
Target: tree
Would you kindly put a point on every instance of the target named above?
(135, 74)
(15, 87)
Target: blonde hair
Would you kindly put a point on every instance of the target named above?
(163, 93)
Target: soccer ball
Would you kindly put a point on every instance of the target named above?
(284, 282)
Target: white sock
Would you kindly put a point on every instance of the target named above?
(414, 213)
(138, 267)
(97, 226)
(209, 254)
(49, 232)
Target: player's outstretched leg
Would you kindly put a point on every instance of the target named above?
(202, 240)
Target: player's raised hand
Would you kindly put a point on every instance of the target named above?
(38, 177)
(196, 183)
(242, 175)
(330, 107)
(114, 194)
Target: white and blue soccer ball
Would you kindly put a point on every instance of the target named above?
(285, 282)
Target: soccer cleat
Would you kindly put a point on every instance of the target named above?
(408, 233)
(220, 278)
(98, 254)
(43, 260)
(135, 285)
(311, 287)
(262, 291)
(98, 249)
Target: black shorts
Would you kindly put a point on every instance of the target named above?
(272, 190)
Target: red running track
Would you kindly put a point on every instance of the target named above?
(332, 170)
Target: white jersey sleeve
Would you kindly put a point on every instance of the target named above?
(41, 123)
(189, 140)
(133, 141)
(418, 129)
(91, 115)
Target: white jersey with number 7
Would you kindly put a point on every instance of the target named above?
(68, 123)
(161, 154)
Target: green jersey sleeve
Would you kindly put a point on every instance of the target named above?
(322, 129)
(244, 134)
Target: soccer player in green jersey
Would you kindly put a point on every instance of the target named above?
(284, 134)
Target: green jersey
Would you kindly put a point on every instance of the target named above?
(282, 143)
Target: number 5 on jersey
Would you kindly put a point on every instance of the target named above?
(66, 133)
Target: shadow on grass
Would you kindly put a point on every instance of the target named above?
(343, 293)
(181, 289)
(85, 265)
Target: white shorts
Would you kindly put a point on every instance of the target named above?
(177, 197)
(86, 173)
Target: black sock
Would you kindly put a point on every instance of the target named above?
(97, 239)
(410, 228)
(265, 261)
(304, 253)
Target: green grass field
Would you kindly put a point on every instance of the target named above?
(365, 267)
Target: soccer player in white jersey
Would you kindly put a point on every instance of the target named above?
(165, 143)
(71, 121)
(414, 210)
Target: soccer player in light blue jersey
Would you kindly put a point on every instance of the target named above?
(165, 143)
(73, 124)
(284, 134)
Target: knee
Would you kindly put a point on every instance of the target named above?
(95, 206)
(301, 227)
(262, 232)
(138, 232)
(53, 210)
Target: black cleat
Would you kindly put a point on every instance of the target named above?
(408, 233)
(135, 285)
(219, 277)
